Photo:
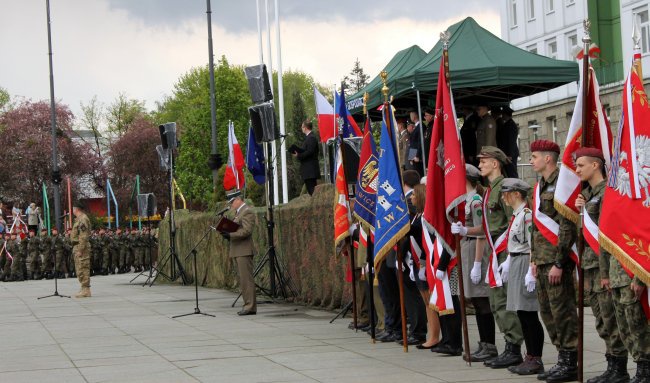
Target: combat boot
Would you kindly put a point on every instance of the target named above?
(472, 355)
(567, 368)
(83, 293)
(489, 352)
(642, 372)
(530, 366)
(604, 377)
(511, 356)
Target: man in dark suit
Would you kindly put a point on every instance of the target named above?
(241, 249)
(507, 141)
(309, 168)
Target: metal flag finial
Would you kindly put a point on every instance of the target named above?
(444, 37)
(366, 96)
(384, 89)
(587, 25)
(636, 33)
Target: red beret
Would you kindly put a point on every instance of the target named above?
(544, 146)
(589, 152)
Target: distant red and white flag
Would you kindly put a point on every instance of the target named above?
(445, 192)
(440, 289)
(624, 218)
(328, 124)
(233, 178)
(599, 135)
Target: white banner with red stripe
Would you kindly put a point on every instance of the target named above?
(548, 227)
(590, 232)
(493, 277)
(440, 300)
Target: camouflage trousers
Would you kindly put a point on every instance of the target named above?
(106, 259)
(557, 307)
(70, 262)
(34, 264)
(603, 309)
(6, 266)
(508, 321)
(361, 287)
(147, 256)
(82, 264)
(632, 323)
(115, 259)
(18, 267)
(59, 261)
(138, 256)
(124, 255)
(48, 262)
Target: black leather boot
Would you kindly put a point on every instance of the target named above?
(567, 368)
(604, 377)
(511, 356)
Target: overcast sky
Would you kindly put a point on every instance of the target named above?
(142, 47)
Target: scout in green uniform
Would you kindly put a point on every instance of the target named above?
(554, 269)
(491, 163)
(79, 237)
(590, 169)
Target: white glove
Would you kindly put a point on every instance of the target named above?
(475, 274)
(530, 281)
(422, 274)
(504, 269)
(440, 274)
(458, 228)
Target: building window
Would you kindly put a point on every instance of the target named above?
(531, 10)
(532, 48)
(552, 126)
(551, 49)
(513, 13)
(644, 24)
(550, 6)
(572, 45)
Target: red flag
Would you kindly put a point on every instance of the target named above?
(599, 135)
(446, 190)
(341, 203)
(625, 212)
(234, 179)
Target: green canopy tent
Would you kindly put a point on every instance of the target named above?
(403, 62)
(482, 67)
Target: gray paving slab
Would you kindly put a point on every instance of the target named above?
(126, 333)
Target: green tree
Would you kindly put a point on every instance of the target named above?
(357, 79)
(4, 99)
(91, 119)
(122, 113)
(189, 107)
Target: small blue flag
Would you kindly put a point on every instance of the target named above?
(255, 158)
(392, 220)
(345, 120)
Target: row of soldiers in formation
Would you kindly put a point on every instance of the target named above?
(49, 256)
(537, 276)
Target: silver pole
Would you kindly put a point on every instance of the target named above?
(276, 196)
(259, 31)
(283, 145)
(56, 177)
(213, 105)
(424, 155)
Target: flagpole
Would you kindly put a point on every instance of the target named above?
(213, 106)
(349, 242)
(370, 248)
(387, 115)
(259, 31)
(581, 245)
(276, 194)
(444, 36)
(283, 144)
(424, 155)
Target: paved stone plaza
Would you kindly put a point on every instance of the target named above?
(125, 333)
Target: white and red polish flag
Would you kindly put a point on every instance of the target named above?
(233, 178)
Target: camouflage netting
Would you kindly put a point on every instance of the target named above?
(304, 245)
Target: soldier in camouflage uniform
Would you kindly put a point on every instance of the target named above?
(57, 246)
(553, 268)
(5, 260)
(68, 255)
(589, 167)
(18, 251)
(105, 246)
(33, 263)
(79, 237)
(45, 249)
(138, 250)
(148, 244)
(94, 252)
(125, 250)
(115, 251)
(491, 164)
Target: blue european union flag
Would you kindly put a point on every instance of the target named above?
(344, 116)
(392, 220)
(255, 158)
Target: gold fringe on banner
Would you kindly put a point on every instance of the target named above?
(566, 211)
(622, 256)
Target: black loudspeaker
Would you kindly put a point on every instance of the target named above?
(168, 135)
(258, 83)
(265, 126)
(146, 205)
(351, 153)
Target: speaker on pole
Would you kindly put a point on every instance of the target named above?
(258, 83)
(265, 126)
(146, 205)
(168, 135)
